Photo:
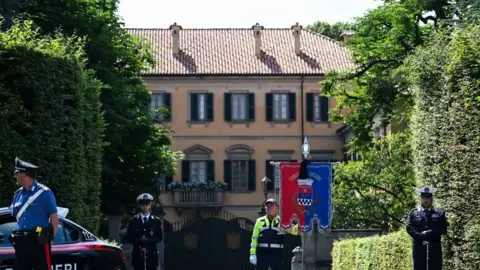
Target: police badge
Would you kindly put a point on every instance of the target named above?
(151, 232)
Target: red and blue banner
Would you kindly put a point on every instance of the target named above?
(306, 195)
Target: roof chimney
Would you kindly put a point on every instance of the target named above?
(347, 35)
(257, 33)
(175, 29)
(297, 31)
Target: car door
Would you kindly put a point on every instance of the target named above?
(7, 253)
(68, 251)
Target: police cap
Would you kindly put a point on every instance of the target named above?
(427, 192)
(22, 166)
(271, 200)
(144, 198)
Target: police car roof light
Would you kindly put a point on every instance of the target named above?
(63, 212)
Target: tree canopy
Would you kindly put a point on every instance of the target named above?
(384, 37)
(136, 151)
(376, 191)
(333, 31)
(50, 116)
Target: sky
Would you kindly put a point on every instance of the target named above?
(238, 14)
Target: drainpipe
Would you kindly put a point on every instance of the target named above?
(301, 113)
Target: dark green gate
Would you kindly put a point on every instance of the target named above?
(214, 241)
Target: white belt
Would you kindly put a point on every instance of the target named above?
(270, 245)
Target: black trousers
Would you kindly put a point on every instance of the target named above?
(32, 255)
(148, 268)
(272, 259)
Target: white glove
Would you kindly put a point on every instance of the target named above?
(253, 259)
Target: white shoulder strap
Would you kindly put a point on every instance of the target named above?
(30, 200)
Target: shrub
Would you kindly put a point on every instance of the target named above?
(446, 137)
(50, 116)
(387, 252)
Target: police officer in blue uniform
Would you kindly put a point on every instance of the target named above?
(426, 225)
(34, 206)
(145, 232)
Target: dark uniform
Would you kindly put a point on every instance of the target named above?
(267, 242)
(144, 232)
(426, 227)
(33, 236)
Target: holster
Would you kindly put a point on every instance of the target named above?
(45, 235)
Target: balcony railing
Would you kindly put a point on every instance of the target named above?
(197, 198)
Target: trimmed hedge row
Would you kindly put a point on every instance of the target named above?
(446, 136)
(50, 116)
(387, 252)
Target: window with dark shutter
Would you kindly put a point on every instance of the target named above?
(309, 107)
(168, 106)
(193, 107)
(185, 171)
(324, 109)
(227, 173)
(252, 175)
(281, 106)
(227, 108)
(210, 171)
(168, 180)
(209, 106)
(292, 106)
(251, 106)
(240, 174)
(269, 107)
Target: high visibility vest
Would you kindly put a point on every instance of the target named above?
(267, 236)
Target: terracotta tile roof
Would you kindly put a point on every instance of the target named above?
(232, 52)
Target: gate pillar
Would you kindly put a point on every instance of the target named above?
(305, 258)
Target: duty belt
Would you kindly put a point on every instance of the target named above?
(24, 233)
(270, 245)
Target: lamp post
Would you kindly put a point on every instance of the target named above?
(263, 183)
(305, 148)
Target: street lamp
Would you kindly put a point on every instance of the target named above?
(305, 148)
(264, 182)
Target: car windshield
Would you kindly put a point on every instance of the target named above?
(8, 224)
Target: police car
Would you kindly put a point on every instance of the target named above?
(73, 248)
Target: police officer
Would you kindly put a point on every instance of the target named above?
(267, 239)
(145, 232)
(34, 205)
(426, 225)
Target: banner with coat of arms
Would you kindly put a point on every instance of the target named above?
(306, 194)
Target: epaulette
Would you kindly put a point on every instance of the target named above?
(440, 211)
(42, 186)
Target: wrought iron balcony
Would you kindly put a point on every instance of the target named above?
(190, 198)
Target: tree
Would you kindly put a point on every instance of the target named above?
(333, 31)
(136, 151)
(50, 116)
(385, 36)
(445, 78)
(377, 191)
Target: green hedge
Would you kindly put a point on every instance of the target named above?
(446, 136)
(387, 252)
(50, 116)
